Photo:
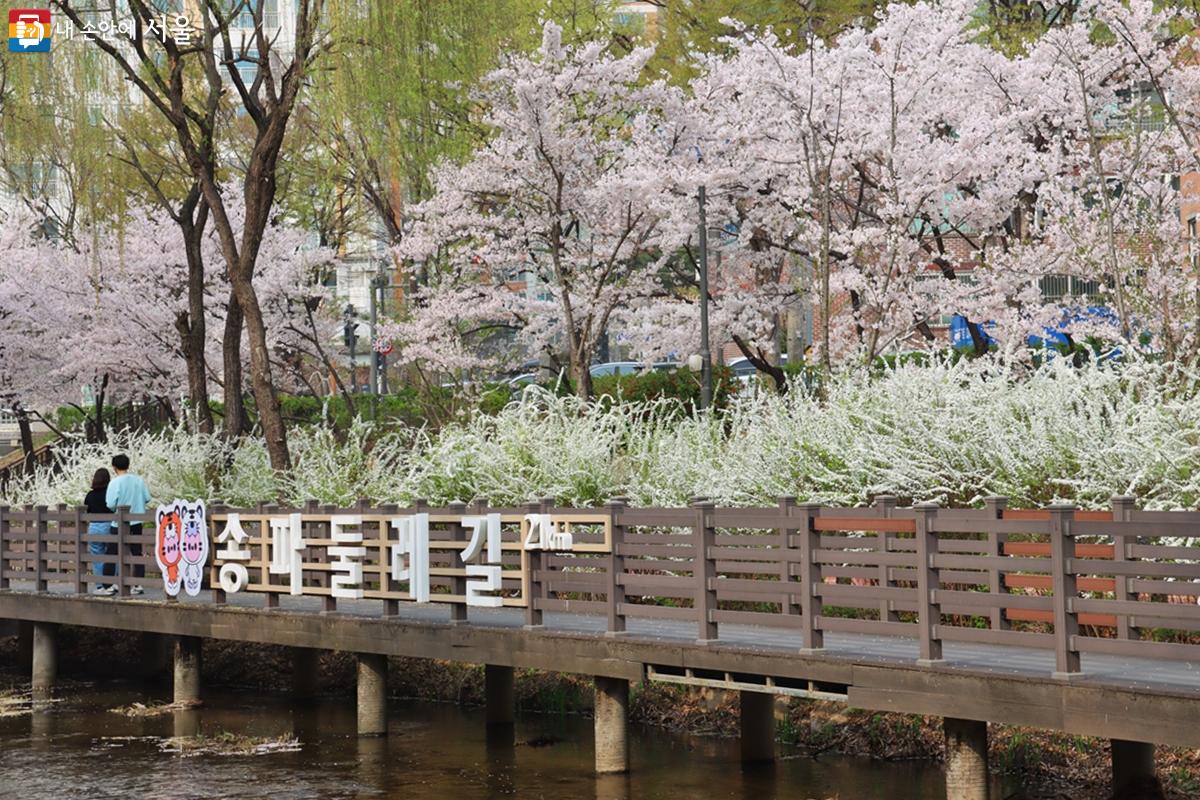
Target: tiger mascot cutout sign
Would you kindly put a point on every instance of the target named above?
(181, 546)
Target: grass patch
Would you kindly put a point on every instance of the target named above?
(229, 744)
(151, 709)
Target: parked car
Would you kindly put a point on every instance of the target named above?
(601, 370)
(744, 371)
(630, 367)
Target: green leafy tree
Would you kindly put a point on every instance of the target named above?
(686, 28)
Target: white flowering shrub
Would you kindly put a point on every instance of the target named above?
(952, 433)
(173, 462)
(340, 471)
(247, 476)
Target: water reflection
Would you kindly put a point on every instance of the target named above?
(434, 751)
(41, 726)
(186, 722)
(613, 787)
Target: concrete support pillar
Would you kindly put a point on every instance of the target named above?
(1133, 776)
(966, 759)
(757, 727)
(499, 695)
(44, 659)
(372, 694)
(306, 671)
(187, 670)
(612, 723)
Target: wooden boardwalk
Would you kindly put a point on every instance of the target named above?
(1066, 620)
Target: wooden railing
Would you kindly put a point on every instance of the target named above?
(1119, 582)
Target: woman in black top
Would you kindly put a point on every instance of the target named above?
(99, 531)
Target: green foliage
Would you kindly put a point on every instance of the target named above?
(1183, 781)
(696, 27)
(396, 98)
(1020, 755)
(406, 406)
(495, 398)
(681, 385)
(1009, 25)
(53, 154)
(68, 417)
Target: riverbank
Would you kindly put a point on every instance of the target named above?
(1039, 764)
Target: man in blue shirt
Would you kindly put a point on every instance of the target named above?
(129, 490)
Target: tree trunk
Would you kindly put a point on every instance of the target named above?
(265, 398)
(581, 373)
(231, 348)
(98, 433)
(760, 363)
(168, 412)
(195, 333)
(26, 436)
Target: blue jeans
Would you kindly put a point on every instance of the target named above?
(99, 568)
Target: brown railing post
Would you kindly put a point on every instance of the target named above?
(789, 601)
(80, 547)
(616, 568)
(1122, 511)
(218, 594)
(4, 543)
(271, 598)
(995, 506)
(122, 532)
(39, 549)
(306, 527)
(704, 570)
(929, 610)
(1066, 623)
(59, 517)
(810, 577)
(885, 506)
(533, 614)
(391, 607)
(329, 604)
(458, 584)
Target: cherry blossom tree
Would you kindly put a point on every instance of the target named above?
(921, 174)
(185, 74)
(865, 157)
(551, 201)
(104, 313)
(893, 176)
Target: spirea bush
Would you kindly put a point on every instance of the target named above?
(954, 433)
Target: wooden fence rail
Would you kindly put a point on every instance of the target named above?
(1123, 582)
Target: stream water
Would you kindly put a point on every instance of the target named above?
(80, 748)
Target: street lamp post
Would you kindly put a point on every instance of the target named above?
(384, 284)
(705, 350)
(351, 337)
(374, 355)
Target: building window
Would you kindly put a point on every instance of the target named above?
(1057, 287)
(928, 283)
(270, 14)
(247, 66)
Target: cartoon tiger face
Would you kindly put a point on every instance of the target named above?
(195, 535)
(194, 544)
(169, 546)
(170, 530)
